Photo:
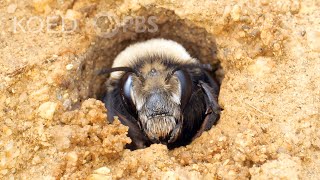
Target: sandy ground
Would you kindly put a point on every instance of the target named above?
(52, 125)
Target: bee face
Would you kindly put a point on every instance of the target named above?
(157, 100)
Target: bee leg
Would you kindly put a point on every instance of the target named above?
(212, 99)
(175, 133)
(213, 109)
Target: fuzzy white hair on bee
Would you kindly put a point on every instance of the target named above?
(159, 47)
(161, 92)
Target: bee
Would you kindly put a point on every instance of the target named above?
(161, 93)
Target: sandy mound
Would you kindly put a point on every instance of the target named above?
(53, 126)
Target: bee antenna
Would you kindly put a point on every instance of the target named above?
(110, 70)
(206, 67)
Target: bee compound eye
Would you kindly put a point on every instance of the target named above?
(126, 88)
(185, 86)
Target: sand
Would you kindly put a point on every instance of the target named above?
(53, 125)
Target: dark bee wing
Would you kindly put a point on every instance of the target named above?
(213, 108)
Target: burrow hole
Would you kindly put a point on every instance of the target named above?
(198, 42)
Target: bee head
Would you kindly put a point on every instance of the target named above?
(156, 94)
